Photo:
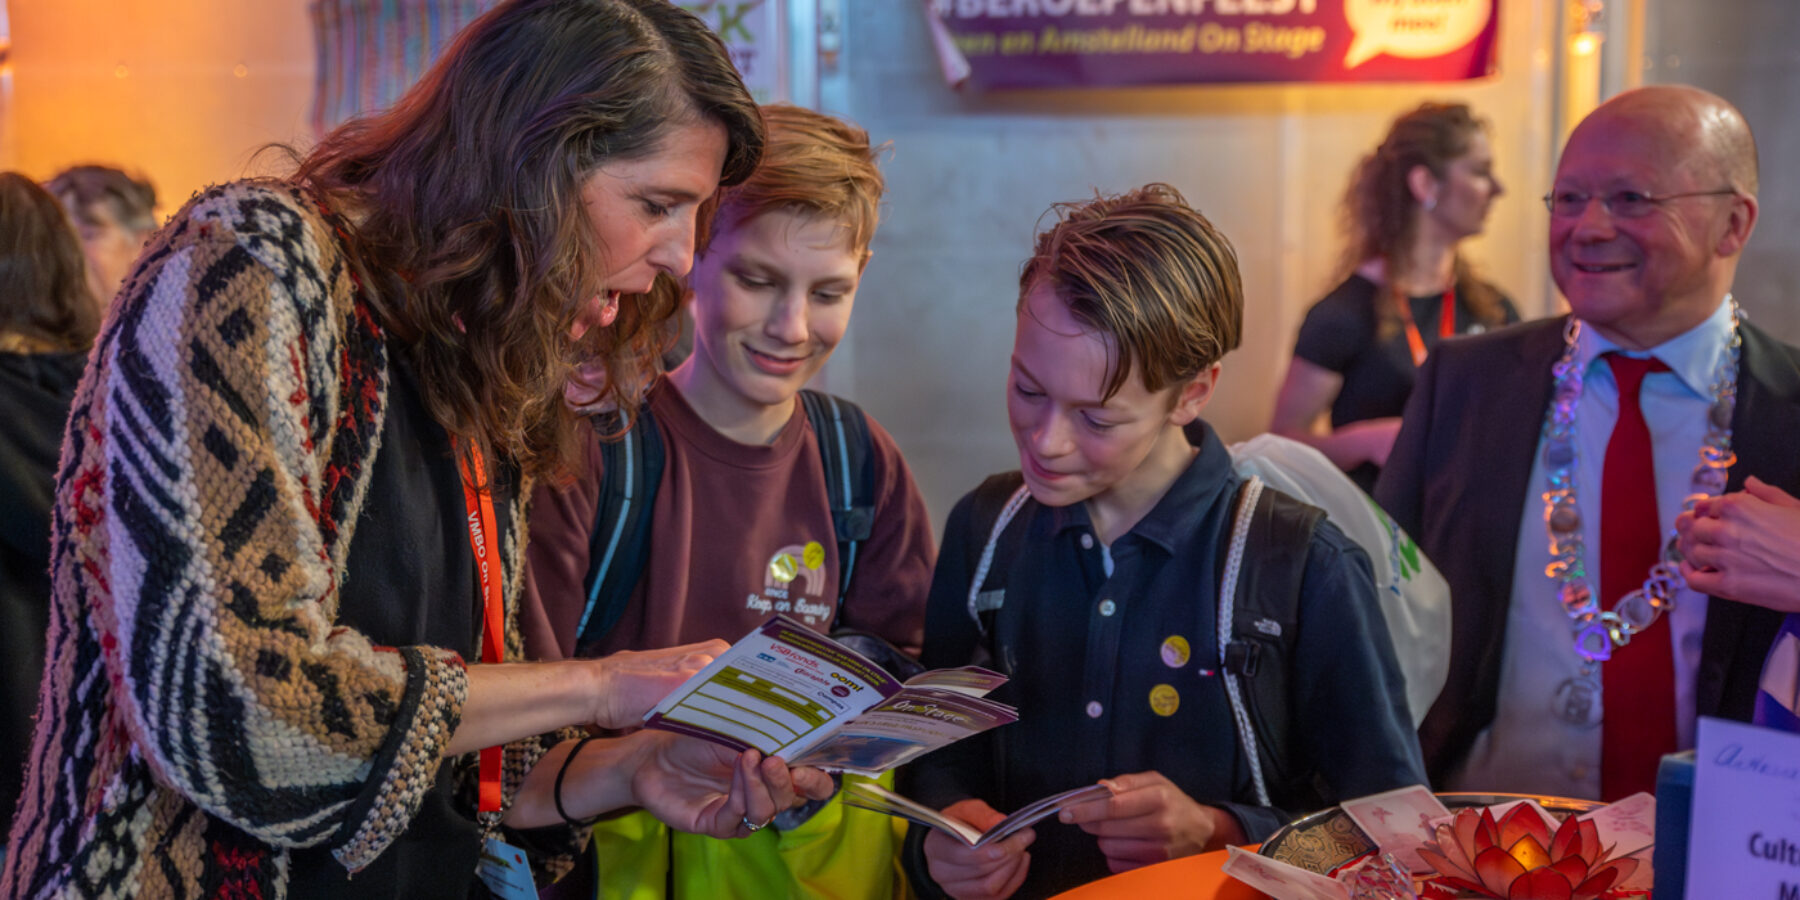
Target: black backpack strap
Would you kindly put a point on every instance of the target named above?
(1265, 623)
(619, 542)
(843, 433)
(990, 557)
(990, 497)
(989, 502)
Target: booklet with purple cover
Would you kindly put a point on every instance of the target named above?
(791, 692)
(871, 796)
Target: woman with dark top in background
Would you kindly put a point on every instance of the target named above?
(48, 317)
(289, 516)
(1411, 202)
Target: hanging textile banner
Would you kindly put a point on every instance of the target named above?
(1109, 43)
(371, 51)
(754, 32)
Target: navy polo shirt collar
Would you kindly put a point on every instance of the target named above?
(1182, 508)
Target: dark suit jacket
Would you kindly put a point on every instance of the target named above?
(1457, 482)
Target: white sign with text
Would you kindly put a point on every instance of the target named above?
(1744, 838)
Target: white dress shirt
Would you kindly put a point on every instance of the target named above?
(1529, 747)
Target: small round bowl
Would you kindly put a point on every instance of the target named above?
(1323, 841)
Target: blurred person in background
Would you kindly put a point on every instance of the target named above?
(48, 317)
(114, 213)
(1411, 202)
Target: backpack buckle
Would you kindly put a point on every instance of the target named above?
(854, 523)
(1241, 658)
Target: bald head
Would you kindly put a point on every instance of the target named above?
(1714, 137)
(1673, 171)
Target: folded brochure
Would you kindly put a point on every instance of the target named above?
(874, 797)
(791, 692)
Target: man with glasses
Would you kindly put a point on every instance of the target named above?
(1542, 467)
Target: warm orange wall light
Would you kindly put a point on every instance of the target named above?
(183, 92)
(1581, 83)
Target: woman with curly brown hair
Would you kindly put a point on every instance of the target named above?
(1427, 188)
(289, 516)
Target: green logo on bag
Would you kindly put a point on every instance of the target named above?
(1409, 554)
(1405, 556)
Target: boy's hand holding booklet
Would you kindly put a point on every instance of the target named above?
(791, 692)
(871, 796)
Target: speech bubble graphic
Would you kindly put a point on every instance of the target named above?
(1413, 29)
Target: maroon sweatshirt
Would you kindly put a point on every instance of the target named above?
(740, 532)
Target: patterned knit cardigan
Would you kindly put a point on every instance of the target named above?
(200, 712)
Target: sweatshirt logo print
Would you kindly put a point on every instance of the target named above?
(797, 563)
(794, 576)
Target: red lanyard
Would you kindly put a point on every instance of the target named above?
(486, 546)
(1446, 323)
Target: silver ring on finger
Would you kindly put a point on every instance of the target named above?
(753, 826)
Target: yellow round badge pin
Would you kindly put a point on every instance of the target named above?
(1175, 651)
(1164, 700)
(813, 555)
(783, 568)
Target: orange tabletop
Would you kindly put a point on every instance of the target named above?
(1190, 876)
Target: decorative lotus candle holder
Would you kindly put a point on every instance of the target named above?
(1517, 857)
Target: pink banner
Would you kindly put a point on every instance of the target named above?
(994, 44)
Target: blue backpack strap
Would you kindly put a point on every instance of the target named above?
(843, 433)
(619, 542)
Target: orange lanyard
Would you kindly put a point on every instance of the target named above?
(1446, 323)
(486, 546)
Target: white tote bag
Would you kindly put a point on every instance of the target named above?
(1415, 599)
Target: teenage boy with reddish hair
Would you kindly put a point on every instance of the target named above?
(741, 525)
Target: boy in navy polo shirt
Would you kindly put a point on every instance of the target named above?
(1106, 622)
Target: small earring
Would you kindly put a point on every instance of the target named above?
(1429, 204)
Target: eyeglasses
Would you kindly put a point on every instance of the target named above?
(1619, 204)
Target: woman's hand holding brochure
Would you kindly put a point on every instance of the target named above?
(680, 785)
(690, 785)
(788, 691)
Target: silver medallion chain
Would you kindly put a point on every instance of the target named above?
(1597, 631)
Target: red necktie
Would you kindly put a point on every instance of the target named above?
(1639, 680)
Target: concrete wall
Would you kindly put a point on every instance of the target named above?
(1748, 58)
(970, 174)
